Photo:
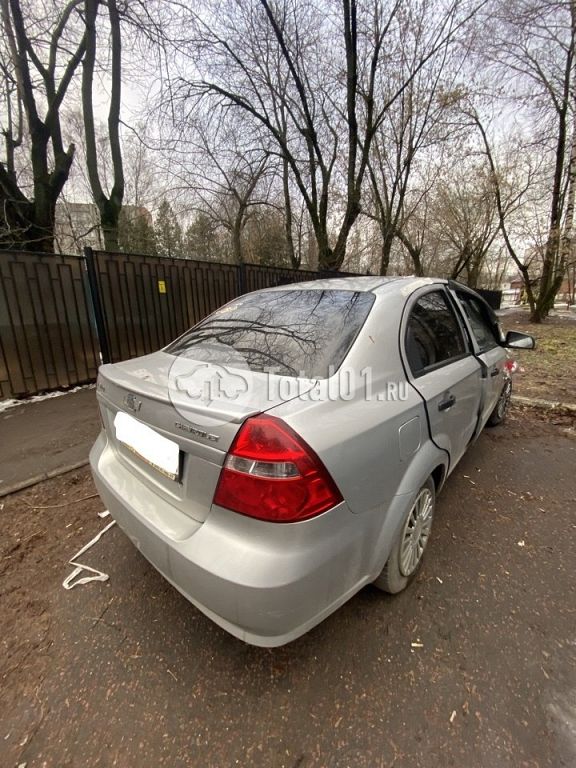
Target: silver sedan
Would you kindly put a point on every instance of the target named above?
(288, 450)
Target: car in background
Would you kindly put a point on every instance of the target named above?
(308, 464)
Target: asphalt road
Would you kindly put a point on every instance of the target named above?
(37, 438)
(474, 665)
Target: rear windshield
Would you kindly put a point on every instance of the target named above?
(292, 333)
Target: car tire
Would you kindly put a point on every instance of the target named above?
(498, 415)
(408, 550)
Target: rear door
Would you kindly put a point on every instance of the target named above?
(441, 366)
(491, 354)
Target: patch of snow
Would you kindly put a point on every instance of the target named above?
(12, 402)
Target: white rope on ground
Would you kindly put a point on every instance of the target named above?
(96, 575)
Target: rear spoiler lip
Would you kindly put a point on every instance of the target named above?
(128, 385)
(190, 411)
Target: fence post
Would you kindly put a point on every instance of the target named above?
(97, 304)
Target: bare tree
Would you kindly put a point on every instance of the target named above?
(450, 225)
(509, 198)
(229, 175)
(13, 125)
(414, 229)
(279, 64)
(571, 282)
(534, 41)
(567, 242)
(109, 205)
(39, 61)
(466, 223)
(424, 116)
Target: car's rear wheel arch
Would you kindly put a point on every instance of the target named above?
(439, 475)
(394, 578)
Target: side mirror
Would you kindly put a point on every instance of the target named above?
(517, 340)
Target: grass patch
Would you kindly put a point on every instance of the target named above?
(549, 371)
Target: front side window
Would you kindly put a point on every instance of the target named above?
(481, 327)
(292, 332)
(433, 334)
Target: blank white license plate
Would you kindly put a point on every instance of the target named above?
(154, 449)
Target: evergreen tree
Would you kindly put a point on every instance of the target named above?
(168, 232)
(135, 231)
(201, 241)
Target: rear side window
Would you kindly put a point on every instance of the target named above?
(292, 333)
(433, 334)
(477, 317)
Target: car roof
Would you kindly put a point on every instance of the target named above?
(359, 283)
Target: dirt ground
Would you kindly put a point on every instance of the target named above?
(474, 665)
(549, 371)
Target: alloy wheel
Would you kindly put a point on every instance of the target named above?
(504, 400)
(416, 532)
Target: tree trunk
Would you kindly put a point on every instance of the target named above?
(41, 232)
(385, 248)
(294, 259)
(571, 274)
(561, 248)
(548, 280)
(326, 261)
(548, 284)
(461, 262)
(414, 251)
(338, 254)
(110, 207)
(415, 254)
(236, 233)
(110, 223)
(116, 199)
(37, 233)
(474, 267)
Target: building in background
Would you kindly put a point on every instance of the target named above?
(513, 293)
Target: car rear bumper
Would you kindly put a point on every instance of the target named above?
(264, 583)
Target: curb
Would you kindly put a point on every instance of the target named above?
(547, 405)
(40, 478)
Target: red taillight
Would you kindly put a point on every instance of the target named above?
(272, 474)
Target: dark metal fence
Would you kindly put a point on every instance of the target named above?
(47, 337)
(147, 301)
(493, 298)
(61, 315)
(254, 277)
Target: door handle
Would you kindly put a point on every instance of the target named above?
(447, 403)
(494, 372)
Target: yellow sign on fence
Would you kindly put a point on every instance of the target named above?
(161, 286)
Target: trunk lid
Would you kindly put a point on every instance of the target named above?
(198, 406)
